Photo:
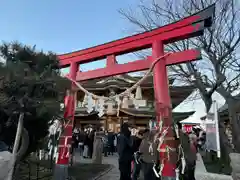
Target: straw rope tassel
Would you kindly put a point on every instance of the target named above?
(160, 125)
(183, 162)
(177, 174)
(161, 167)
(161, 138)
(150, 150)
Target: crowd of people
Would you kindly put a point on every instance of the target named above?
(83, 140)
(139, 153)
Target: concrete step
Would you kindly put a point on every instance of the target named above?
(200, 167)
(211, 176)
(202, 174)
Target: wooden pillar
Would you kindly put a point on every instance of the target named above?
(106, 124)
(121, 121)
(114, 124)
(134, 121)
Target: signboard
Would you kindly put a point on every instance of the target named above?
(212, 131)
(211, 137)
(188, 128)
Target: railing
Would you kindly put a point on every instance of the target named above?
(33, 170)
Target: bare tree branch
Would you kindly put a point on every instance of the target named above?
(220, 44)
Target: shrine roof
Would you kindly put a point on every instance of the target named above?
(119, 81)
(151, 113)
(82, 112)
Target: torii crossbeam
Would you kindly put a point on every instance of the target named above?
(156, 39)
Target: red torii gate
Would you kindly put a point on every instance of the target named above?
(156, 39)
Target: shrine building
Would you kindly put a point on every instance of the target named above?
(137, 110)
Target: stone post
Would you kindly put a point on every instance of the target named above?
(235, 164)
(6, 164)
(98, 148)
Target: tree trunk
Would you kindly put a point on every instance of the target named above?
(24, 145)
(21, 153)
(232, 103)
(235, 164)
(235, 157)
(226, 148)
(235, 126)
(16, 144)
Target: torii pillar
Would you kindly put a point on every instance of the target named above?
(164, 109)
(156, 39)
(61, 167)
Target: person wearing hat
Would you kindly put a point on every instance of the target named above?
(125, 152)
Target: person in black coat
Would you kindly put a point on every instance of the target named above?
(81, 139)
(137, 139)
(86, 144)
(111, 138)
(105, 144)
(90, 145)
(190, 154)
(125, 152)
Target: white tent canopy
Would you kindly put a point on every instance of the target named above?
(191, 121)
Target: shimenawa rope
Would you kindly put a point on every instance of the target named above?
(127, 91)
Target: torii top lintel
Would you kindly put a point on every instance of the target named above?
(185, 28)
